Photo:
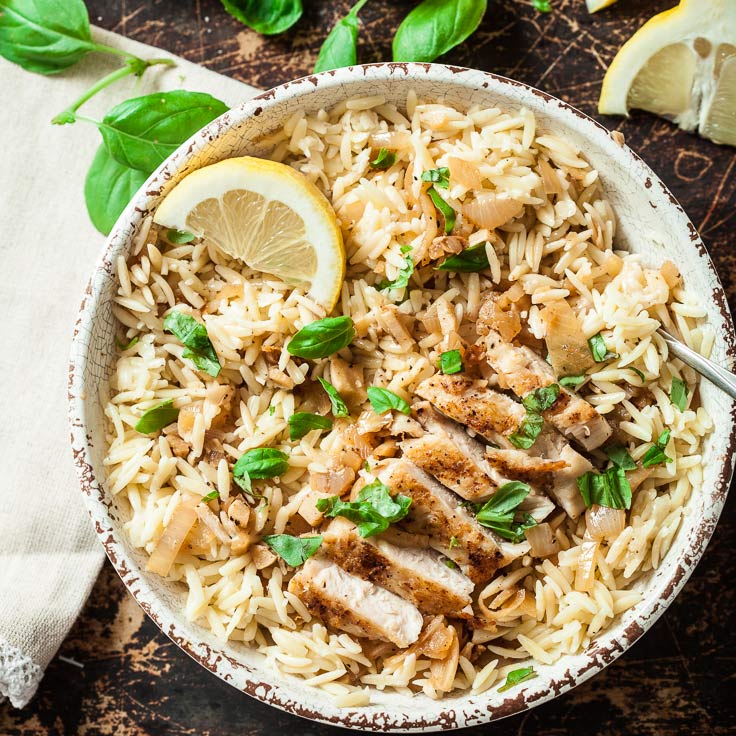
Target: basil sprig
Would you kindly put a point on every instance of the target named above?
(384, 160)
(257, 464)
(157, 417)
(339, 407)
(516, 677)
(439, 177)
(193, 335)
(609, 488)
(451, 362)
(499, 512)
(373, 511)
(268, 17)
(655, 455)
(448, 213)
(303, 422)
(599, 350)
(294, 551)
(340, 48)
(436, 26)
(383, 400)
(470, 260)
(322, 338)
(679, 393)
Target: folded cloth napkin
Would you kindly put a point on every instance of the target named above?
(49, 556)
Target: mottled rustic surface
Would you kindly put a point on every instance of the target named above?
(680, 678)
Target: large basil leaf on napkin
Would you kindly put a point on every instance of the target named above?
(265, 16)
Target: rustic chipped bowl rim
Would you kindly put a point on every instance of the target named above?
(285, 692)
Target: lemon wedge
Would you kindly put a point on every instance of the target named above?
(595, 5)
(681, 65)
(267, 215)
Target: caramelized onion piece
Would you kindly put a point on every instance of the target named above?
(670, 273)
(464, 173)
(585, 573)
(602, 522)
(393, 140)
(542, 540)
(551, 181)
(168, 546)
(496, 314)
(568, 349)
(491, 211)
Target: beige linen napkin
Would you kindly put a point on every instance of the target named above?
(49, 556)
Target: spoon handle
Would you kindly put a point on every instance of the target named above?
(720, 377)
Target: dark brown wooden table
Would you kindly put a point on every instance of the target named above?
(679, 679)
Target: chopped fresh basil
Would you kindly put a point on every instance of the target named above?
(339, 407)
(294, 551)
(528, 431)
(211, 496)
(638, 372)
(439, 177)
(123, 347)
(157, 417)
(451, 362)
(450, 563)
(543, 6)
(620, 457)
(470, 260)
(303, 422)
(679, 393)
(609, 488)
(598, 349)
(261, 462)
(373, 511)
(655, 455)
(322, 338)
(193, 335)
(498, 513)
(367, 466)
(448, 213)
(384, 160)
(541, 398)
(179, 237)
(383, 400)
(402, 279)
(516, 677)
(572, 381)
(271, 410)
(453, 543)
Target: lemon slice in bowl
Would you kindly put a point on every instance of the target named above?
(681, 65)
(267, 215)
(595, 5)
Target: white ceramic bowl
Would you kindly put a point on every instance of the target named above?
(650, 222)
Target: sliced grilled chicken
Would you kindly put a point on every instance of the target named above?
(516, 464)
(417, 575)
(356, 606)
(523, 371)
(437, 512)
(487, 412)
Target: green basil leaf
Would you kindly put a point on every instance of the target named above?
(439, 177)
(470, 260)
(509, 529)
(528, 431)
(44, 36)
(543, 6)
(436, 26)
(294, 551)
(383, 400)
(268, 17)
(655, 455)
(322, 338)
(451, 362)
(303, 422)
(126, 346)
(638, 373)
(516, 677)
(339, 407)
(450, 563)
(620, 457)
(211, 496)
(179, 237)
(541, 398)
(507, 498)
(384, 160)
(143, 131)
(157, 417)
(448, 213)
(340, 48)
(498, 512)
(598, 349)
(679, 393)
(610, 488)
(193, 335)
(259, 463)
(572, 381)
(402, 279)
(108, 188)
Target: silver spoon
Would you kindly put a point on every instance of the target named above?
(720, 377)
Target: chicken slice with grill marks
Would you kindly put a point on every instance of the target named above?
(417, 575)
(523, 371)
(438, 513)
(345, 602)
(492, 415)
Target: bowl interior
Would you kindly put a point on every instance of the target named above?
(649, 222)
